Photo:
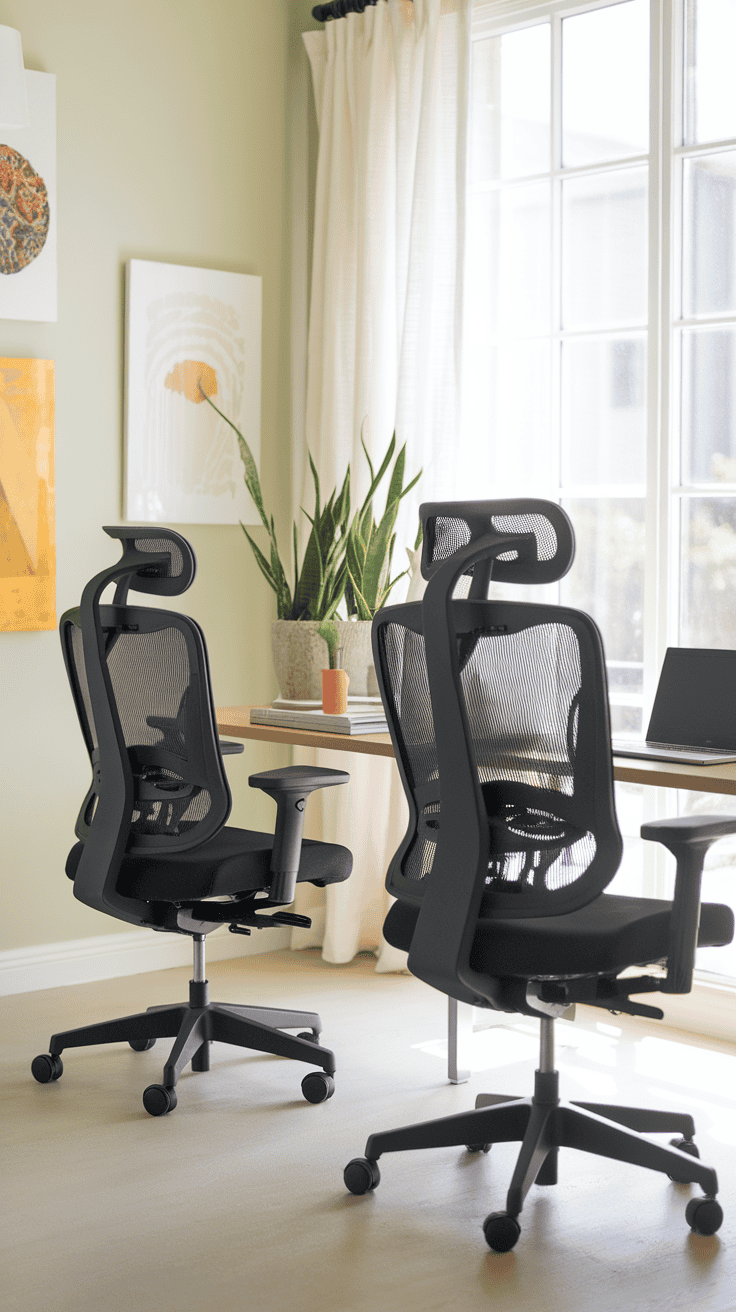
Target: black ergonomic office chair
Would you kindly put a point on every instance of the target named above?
(154, 849)
(499, 717)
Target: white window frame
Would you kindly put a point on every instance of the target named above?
(710, 1008)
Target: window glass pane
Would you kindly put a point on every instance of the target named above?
(719, 884)
(709, 237)
(710, 41)
(629, 878)
(508, 411)
(607, 577)
(510, 258)
(708, 572)
(604, 410)
(709, 405)
(625, 680)
(511, 104)
(605, 84)
(604, 250)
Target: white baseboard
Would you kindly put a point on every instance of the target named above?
(107, 956)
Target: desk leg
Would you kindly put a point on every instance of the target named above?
(459, 1035)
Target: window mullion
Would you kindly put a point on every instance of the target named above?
(659, 453)
(556, 240)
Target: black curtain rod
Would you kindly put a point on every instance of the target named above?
(339, 8)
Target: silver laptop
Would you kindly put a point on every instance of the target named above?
(694, 713)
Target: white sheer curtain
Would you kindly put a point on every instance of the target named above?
(391, 89)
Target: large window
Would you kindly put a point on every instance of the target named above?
(601, 362)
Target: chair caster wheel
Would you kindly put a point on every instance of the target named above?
(478, 1147)
(141, 1045)
(361, 1176)
(47, 1068)
(704, 1215)
(318, 1087)
(158, 1100)
(685, 1146)
(310, 1035)
(501, 1231)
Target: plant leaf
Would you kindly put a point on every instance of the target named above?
(328, 632)
(370, 464)
(376, 557)
(261, 561)
(252, 481)
(283, 592)
(361, 605)
(342, 505)
(311, 578)
(296, 558)
(355, 556)
(392, 584)
(397, 478)
(375, 479)
(315, 476)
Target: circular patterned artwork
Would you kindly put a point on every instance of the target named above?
(24, 211)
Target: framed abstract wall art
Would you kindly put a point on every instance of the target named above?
(28, 208)
(27, 542)
(191, 334)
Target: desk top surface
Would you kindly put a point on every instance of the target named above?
(235, 721)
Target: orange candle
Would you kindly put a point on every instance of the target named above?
(335, 692)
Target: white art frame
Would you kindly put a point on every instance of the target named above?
(30, 292)
(188, 328)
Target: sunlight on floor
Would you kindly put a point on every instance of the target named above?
(593, 1054)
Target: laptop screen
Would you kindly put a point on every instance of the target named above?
(695, 705)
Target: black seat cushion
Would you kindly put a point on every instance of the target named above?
(234, 861)
(604, 937)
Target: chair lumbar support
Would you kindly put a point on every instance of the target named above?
(543, 1124)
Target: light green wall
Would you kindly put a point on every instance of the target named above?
(172, 141)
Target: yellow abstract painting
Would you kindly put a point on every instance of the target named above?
(27, 541)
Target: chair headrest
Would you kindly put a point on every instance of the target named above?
(162, 578)
(449, 526)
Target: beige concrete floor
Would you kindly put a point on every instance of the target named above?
(236, 1199)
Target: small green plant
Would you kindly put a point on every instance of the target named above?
(328, 630)
(342, 558)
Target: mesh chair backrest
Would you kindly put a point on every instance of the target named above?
(533, 691)
(156, 661)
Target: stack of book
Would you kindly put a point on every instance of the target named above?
(362, 716)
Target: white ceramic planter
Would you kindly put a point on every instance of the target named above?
(300, 656)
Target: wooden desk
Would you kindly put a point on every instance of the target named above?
(234, 721)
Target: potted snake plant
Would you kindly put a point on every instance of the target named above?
(346, 565)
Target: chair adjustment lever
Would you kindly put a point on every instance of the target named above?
(609, 994)
(279, 918)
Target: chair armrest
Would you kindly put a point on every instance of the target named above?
(289, 787)
(230, 749)
(688, 838)
(689, 829)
